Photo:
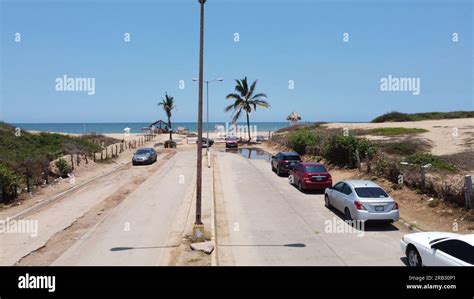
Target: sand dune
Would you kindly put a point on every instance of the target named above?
(447, 136)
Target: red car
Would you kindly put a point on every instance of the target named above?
(310, 175)
(232, 142)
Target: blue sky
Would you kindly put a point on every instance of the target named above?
(279, 41)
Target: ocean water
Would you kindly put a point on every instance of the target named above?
(84, 128)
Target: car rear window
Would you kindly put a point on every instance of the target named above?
(371, 192)
(315, 168)
(292, 158)
(143, 151)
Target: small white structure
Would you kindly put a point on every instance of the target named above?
(293, 118)
(126, 131)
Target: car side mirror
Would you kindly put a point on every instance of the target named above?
(273, 157)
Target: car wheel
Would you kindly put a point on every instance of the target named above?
(326, 201)
(300, 186)
(278, 171)
(413, 257)
(273, 168)
(347, 214)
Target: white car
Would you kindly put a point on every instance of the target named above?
(438, 249)
(362, 200)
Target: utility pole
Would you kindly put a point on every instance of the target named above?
(198, 229)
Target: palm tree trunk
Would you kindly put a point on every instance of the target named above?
(169, 125)
(248, 125)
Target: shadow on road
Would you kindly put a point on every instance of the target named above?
(296, 245)
(146, 247)
(369, 226)
(404, 260)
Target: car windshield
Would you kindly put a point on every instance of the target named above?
(315, 168)
(292, 158)
(371, 192)
(142, 152)
(232, 138)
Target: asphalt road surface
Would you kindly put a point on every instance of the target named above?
(263, 220)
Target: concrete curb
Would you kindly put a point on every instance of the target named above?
(410, 226)
(214, 260)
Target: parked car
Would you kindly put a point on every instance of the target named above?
(144, 155)
(204, 142)
(362, 200)
(310, 175)
(438, 249)
(284, 161)
(232, 142)
(260, 138)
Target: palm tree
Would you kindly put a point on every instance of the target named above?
(245, 100)
(168, 104)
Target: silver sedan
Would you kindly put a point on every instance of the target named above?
(362, 200)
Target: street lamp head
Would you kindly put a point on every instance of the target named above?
(220, 80)
(202, 1)
(195, 79)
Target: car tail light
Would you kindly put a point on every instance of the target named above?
(359, 205)
(395, 206)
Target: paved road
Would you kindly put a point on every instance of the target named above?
(147, 226)
(263, 220)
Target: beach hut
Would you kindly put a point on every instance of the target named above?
(159, 126)
(293, 118)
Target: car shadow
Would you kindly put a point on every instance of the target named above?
(404, 260)
(368, 226)
(309, 191)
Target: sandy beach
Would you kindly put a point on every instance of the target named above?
(447, 136)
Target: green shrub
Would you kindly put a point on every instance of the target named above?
(63, 167)
(9, 180)
(436, 162)
(404, 147)
(395, 116)
(299, 140)
(340, 149)
(395, 131)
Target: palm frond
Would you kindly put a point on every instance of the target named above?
(234, 96)
(259, 95)
(236, 116)
(261, 103)
(239, 88)
(245, 86)
(252, 89)
(230, 107)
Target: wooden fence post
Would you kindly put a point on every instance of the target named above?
(72, 162)
(423, 178)
(357, 159)
(369, 168)
(469, 204)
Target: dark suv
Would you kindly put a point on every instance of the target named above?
(284, 161)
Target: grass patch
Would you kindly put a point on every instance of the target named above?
(300, 127)
(404, 147)
(396, 116)
(436, 162)
(395, 131)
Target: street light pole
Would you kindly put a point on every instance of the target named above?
(207, 105)
(198, 231)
